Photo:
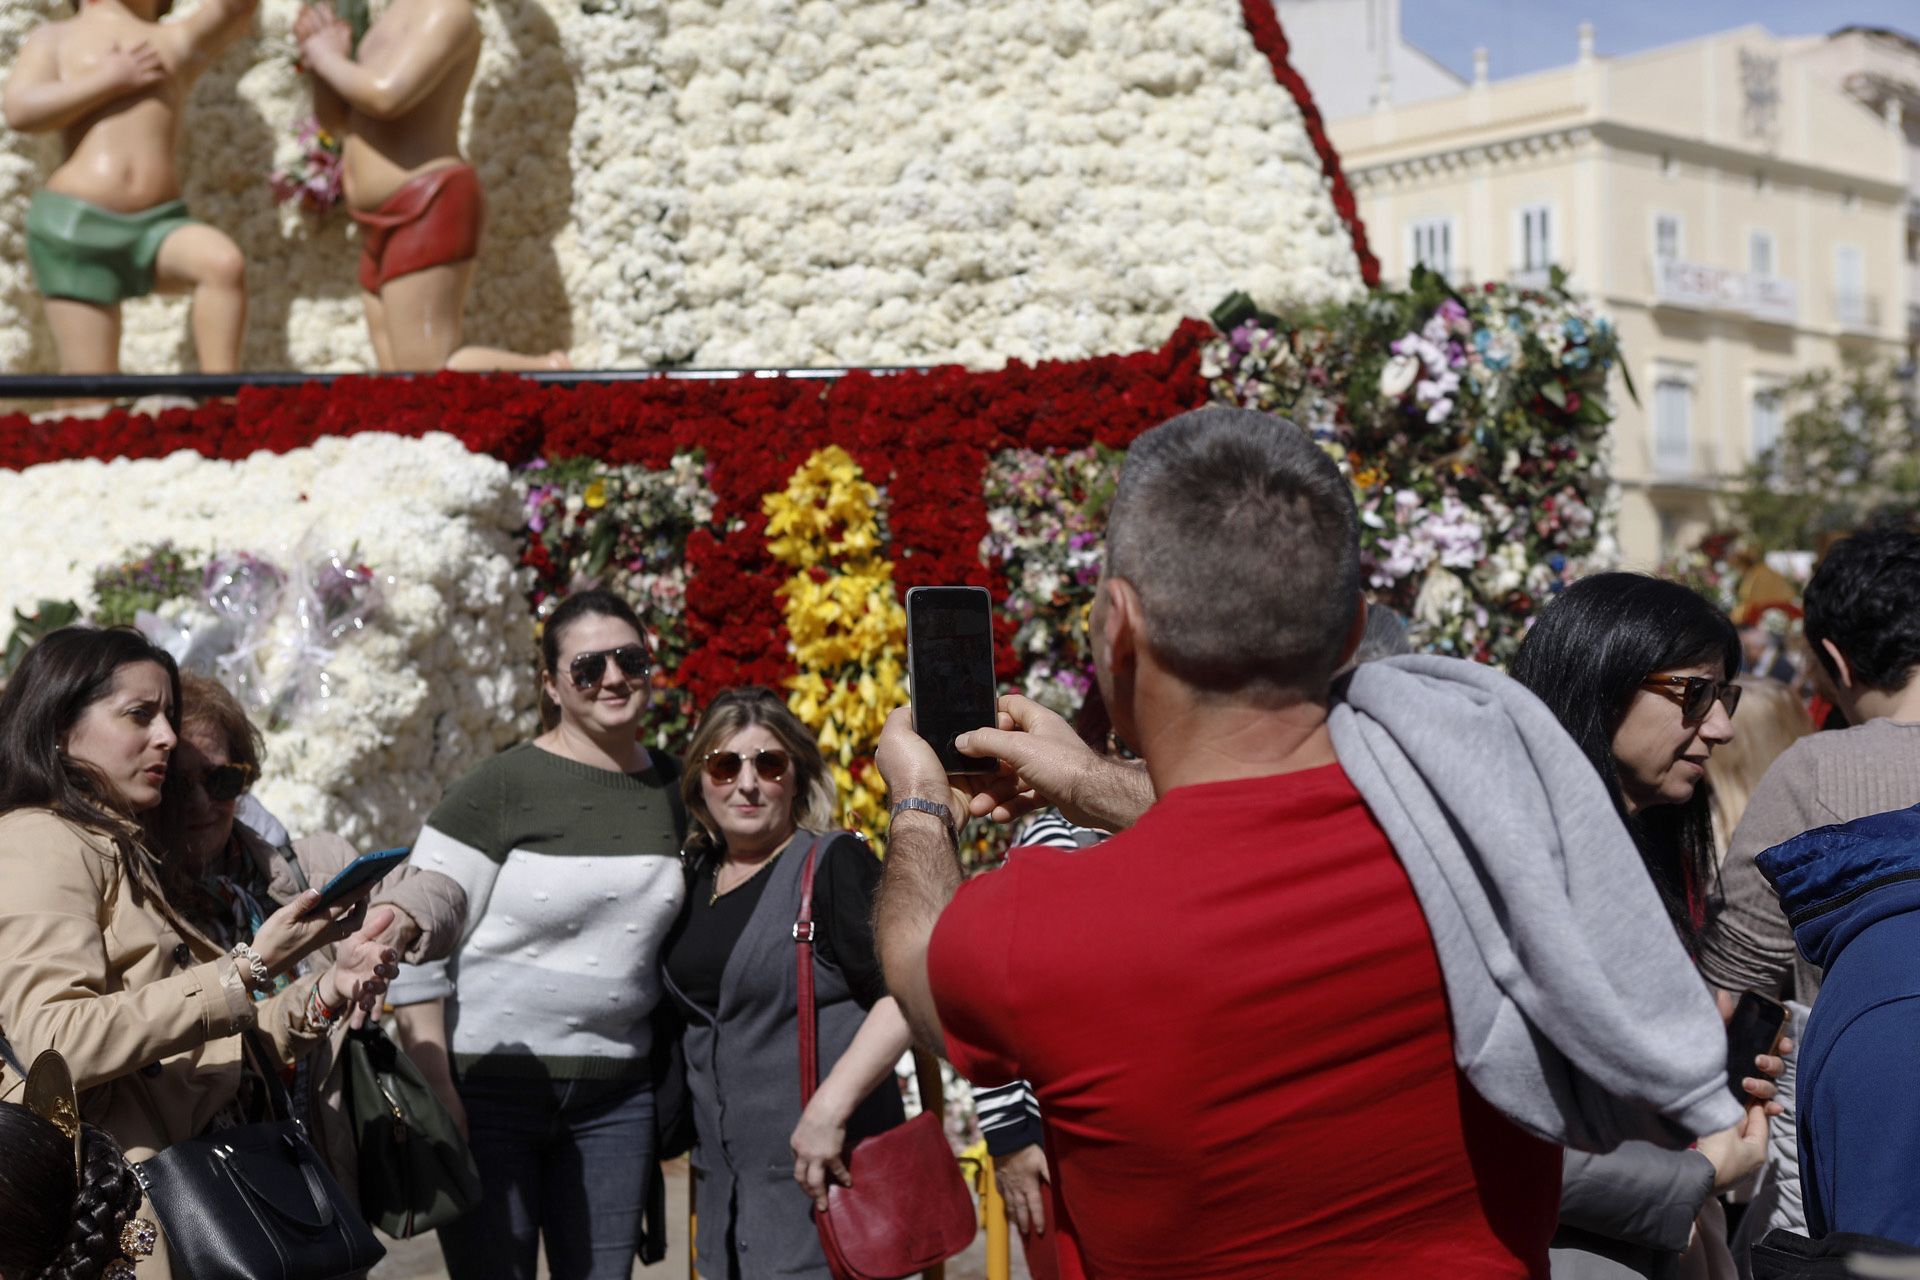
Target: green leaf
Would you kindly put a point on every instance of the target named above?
(600, 548)
(1554, 394)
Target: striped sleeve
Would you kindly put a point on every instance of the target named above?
(1009, 1117)
(1049, 830)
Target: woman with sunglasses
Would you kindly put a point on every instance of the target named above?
(1640, 671)
(762, 800)
(95, 958)
(227, 879)
(568, 849)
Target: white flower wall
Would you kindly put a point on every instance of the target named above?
(440, 679)
(784, 182)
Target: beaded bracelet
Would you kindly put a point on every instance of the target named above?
(319, 1016)
(253, 970)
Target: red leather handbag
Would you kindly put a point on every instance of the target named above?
(908, 1208)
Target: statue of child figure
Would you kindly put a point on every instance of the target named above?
(110, 223)
(397, 102)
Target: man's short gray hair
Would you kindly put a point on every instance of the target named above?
(1240, 536)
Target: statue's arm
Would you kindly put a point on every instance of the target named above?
(399, 86)
(206, 32)
(38, 100)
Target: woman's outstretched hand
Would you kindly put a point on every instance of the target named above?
(362, 967)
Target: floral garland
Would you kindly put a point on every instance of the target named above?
(1474, 429)
(624, 528)
(315, 179)
(846, 627)
(1046, 521)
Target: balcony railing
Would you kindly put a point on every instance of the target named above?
(1858, 311)
(1677, 283)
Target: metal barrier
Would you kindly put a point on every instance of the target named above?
(118, 386)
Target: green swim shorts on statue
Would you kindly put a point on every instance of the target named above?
(81, 251)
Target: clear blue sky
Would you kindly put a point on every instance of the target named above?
(1532, 35)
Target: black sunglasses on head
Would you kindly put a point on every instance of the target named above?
(587, 670)
(1696, 694)
(769, 765)
(226, 782)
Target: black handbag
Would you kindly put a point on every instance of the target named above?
(256, 1202)
(416, 1173)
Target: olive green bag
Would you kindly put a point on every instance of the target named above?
(416, 1173)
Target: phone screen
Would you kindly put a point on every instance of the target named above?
(1752, 1030)
(950, 669)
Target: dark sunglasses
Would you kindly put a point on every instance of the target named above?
(1696, 695)
(723, 767)
(587, 670)
(226, 782)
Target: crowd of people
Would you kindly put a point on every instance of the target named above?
(1313, 956)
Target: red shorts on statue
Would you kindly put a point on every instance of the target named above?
(431, 221)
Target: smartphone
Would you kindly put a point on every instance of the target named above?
(1753, 1030)
(357, 875)
(950, 669)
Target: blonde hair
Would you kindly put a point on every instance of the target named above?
(814, 802)
(1772, 718)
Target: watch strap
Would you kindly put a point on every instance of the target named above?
(938, 810)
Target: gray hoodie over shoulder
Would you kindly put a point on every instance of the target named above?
(1576, 1010)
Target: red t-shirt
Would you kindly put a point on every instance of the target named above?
(1234, 1020)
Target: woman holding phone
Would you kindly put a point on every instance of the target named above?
(567, 847)
(1640, 672)
(761, 801)
(228, 880)
(94, 958)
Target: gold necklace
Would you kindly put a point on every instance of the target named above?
(764, 864)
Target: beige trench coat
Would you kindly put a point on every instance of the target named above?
(146, 1009)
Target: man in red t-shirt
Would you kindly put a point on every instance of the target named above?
(1232, 1012)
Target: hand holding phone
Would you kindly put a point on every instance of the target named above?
(1753, 1030)
(950, 670)
(362, 872)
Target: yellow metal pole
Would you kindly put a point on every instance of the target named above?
(993, 1210)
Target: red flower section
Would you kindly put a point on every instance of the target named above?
(925, 437)
(1270, 40)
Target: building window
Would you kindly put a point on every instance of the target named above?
(1767, 419)
(1673, 425)
(1666, 237)
(1536, 237)
(1850, 286)
(1760, 254)
(1433, 245)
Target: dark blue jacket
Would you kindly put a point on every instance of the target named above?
(1852, 894)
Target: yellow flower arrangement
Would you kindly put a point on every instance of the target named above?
(844, 619)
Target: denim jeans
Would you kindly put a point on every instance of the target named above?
(567, 1159)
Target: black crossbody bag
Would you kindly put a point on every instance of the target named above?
(257, 1202)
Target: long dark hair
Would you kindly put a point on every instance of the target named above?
(54, 1224)
(1585, 658)
(64, 673)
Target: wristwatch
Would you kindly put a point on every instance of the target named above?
(938, 810)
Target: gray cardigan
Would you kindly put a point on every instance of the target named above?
(743, 1071)
(1575, 1008)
